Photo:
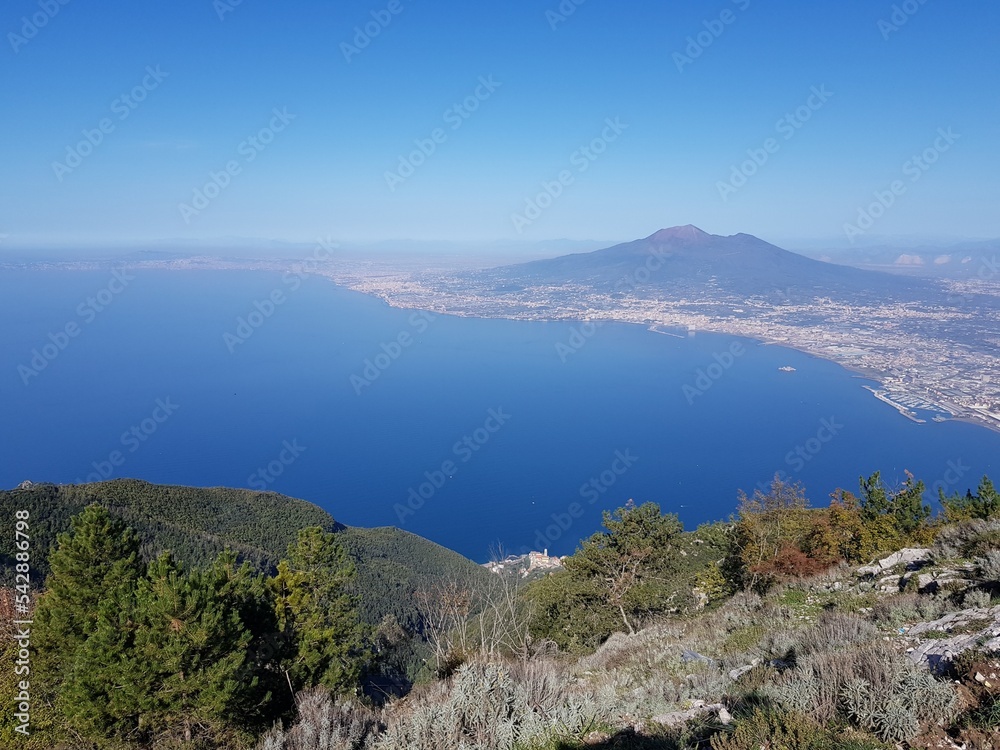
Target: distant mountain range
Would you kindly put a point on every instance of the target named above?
(684, 260)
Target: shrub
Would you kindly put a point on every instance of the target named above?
(834, 630)
(869, 684)
(743, 639)
(986, 716)
(909, 607)
(976, 598)
(779, 643)
(967, 539)
(323, 724)
(890, 718)
(769, 727)
(966, 660)
(988, 566)
(983, 504)
(741, 607)
(493, 706)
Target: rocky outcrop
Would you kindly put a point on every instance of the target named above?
(698, 709)
(942, 639)
(910, 556)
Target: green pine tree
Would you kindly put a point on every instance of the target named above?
(194, 646)
(983, 504)
(631, 559)
(94, 573)
(319, 615)
(102, 690)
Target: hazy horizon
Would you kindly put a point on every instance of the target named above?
(278, 248)
(458, 123)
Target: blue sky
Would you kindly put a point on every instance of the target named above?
(554, 81)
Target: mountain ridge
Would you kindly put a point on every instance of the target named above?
(197, 523)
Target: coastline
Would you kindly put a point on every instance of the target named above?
(895, 405)
(858, 372)
(956, 411)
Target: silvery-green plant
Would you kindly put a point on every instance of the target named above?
(323, 724)
(797, 692)
(895, 715)
(976, 598)
(894, 721)
(988, 566)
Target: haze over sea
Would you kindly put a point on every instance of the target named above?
(286, 394)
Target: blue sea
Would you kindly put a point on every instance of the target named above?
(477, 434)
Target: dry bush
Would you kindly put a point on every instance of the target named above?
(741, 608)
(988, 566)
(764, 728)
(493, 706)
(876, 688)
(791, 563)
(658, 669)
(323, 724)
(780, 643)
(976, 598)
(967, 539)
(646, 649)
(910, 607)
(815, 684)
(835, 630)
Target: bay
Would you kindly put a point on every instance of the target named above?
(475, 433)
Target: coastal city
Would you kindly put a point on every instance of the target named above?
(939, 358)
(932, 359)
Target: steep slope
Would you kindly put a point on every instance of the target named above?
(197, 523)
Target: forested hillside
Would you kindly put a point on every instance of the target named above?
(196, 524)
(870, 623)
